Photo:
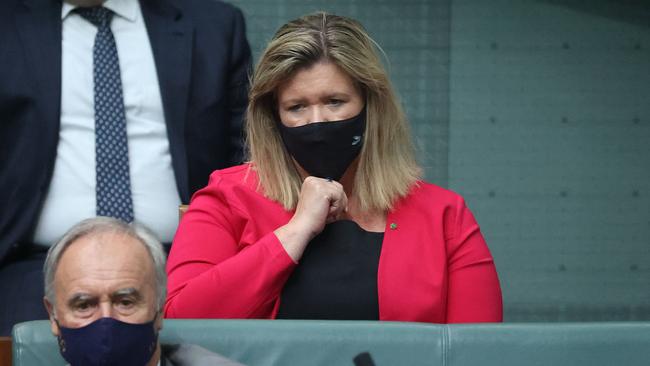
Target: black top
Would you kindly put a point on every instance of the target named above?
(336, 277)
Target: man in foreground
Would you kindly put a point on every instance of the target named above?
(105, 286)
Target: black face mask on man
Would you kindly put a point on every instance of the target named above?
(325, 149)
(108, 341)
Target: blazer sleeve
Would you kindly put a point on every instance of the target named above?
(211, 274)
(240, 68)
(474, 293)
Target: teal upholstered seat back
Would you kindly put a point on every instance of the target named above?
(265, 342)
(588, 344)
(276, 342)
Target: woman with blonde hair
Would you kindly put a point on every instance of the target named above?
(329, 219)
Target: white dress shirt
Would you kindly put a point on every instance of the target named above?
(71, 196)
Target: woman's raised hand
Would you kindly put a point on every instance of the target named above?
(321, 201)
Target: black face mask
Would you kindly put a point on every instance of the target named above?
(325, 149)
(108, 341)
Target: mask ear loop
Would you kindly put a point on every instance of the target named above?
(59, 338)
(153, 345)
(155, 317)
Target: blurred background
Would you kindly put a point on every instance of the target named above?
(538, 113)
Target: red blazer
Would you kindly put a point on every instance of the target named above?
(226, 262)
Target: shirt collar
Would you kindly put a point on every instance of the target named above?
(127, 9)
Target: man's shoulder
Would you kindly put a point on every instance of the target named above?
(209, 8)
(212, 17)
(193, 355)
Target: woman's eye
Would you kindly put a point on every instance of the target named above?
(335, 102)
(294, 108)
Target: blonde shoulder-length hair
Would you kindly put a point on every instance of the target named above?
(387, 166)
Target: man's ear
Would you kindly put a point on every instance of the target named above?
(50, 311)
(159, 320)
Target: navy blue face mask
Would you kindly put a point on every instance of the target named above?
(108, 341)
(325, 149)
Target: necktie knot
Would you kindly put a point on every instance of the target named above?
(98, 15)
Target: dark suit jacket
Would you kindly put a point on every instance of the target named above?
(202, 59)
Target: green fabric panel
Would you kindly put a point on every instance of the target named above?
(549, 143)
(558, 344)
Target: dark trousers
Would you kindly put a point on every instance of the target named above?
(21, 291)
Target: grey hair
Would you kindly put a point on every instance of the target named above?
(103, 225)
